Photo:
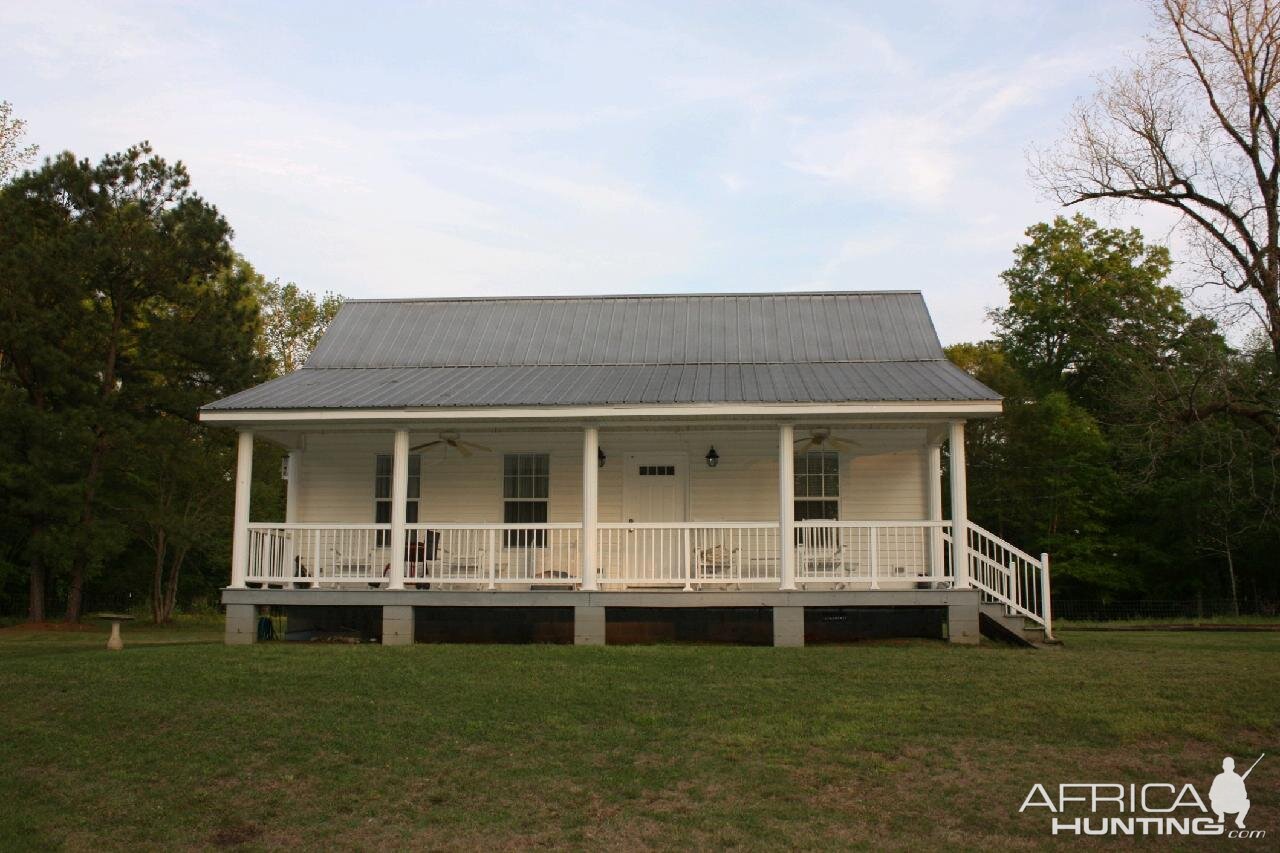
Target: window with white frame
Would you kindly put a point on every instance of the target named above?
(526, 487)
(817, 486)
(382, 471)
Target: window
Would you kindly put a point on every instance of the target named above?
(657, 470)
(526, 484)
(382, 493)
(817, 487)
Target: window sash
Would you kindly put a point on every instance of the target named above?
(526, 491)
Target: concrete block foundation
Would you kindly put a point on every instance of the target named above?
(242, 624)
(588, 625)
(788, 626)
(397, 625)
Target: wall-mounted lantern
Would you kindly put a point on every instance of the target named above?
(713, 458)
(600, 457)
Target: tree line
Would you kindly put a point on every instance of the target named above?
(123, 309)
(1106, 456)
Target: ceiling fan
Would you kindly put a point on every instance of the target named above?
(822, 439)
(454, 440)
(818, 439)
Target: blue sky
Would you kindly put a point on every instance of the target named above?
(473, 148)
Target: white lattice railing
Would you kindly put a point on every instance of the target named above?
(688, 553)
(896, 554)
(1010, 576)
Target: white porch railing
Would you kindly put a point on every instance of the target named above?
(688, 553)
(894, 554)
(879, 554)
(316, 553)
(1010, 576)
(490, 554)
(494, 554)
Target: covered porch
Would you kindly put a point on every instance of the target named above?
(677, 506)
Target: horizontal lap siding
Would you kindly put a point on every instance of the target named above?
(885, 480)
(884, 487)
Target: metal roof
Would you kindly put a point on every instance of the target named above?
(575, 351)
(733, 329)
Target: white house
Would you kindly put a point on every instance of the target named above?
(774, 452)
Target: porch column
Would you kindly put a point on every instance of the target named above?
(294, 463)
(291, 487)
(240, 533)
(933, 482)
(590, 499)
(786, 507)
(399, 494)
(959, 508)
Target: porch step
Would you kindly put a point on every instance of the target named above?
(996, 624)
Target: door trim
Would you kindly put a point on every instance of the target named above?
(679, 458)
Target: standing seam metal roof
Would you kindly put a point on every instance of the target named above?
(537, 351)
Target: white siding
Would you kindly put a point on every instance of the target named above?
(881, 478)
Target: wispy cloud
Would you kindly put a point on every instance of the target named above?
(475, 148)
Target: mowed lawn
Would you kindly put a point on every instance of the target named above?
(181, 742)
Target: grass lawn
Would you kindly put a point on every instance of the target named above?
(181, 742)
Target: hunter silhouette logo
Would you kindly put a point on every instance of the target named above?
(1228, 794)
(1150, 808)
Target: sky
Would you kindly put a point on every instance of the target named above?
(468, 149)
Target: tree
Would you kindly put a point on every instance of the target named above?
(1193, 126)
(1085, 302)
(293, 320)
(12, 131)
(114, 311)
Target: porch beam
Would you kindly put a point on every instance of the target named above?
(959, 507)
(786, 507)
(399, 496)
(240, 532)
(590, 502)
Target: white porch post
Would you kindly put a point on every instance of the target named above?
(291, 487)
(399, 495)
(240, 533)
(786, 507)
(294, 461)
(933, 478)
(959, 508)
(590, 497)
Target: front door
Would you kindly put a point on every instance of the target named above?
(653, 492)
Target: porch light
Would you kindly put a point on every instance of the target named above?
(713, 458)
(600, 457)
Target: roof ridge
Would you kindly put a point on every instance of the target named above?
(583, 297)
(728, 363)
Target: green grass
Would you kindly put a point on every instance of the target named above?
(181, 742)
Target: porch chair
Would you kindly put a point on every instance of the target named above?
(417, 553)
(714, 562)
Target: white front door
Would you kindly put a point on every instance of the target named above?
(653, 488)
(653, 492)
